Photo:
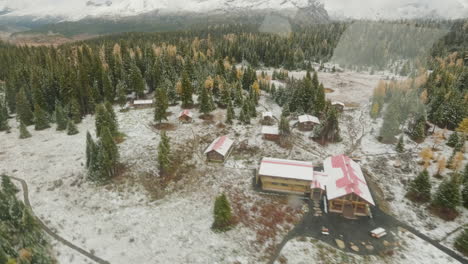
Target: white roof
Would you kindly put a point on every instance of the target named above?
(338, 103)
(267, 114)
(308, 118)
(270, 130)
(220, 145)
(186, 113)
(320, 180)
(290, 169)
(345, 177)
(142, 102)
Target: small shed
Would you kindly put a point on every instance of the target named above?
(339, 106)
(142, 103)
(307, 122)
(219, 149)
(270, 133)
(185, 116)
(267, 118)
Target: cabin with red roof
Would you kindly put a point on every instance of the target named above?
(219, 149)
(185, 116)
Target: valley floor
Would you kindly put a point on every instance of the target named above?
(132, 221)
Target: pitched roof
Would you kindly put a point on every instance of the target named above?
(271, 130)
(186, 112)
(267, 114)
(338, 103)
(142, 102)
(320, 180)
(289, 169)
(308, 118)
(345, 177)
(220, 145)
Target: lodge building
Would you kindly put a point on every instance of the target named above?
(219, 150)
(341, 183)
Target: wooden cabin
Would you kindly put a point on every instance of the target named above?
(270, 133)
(219, 150)
(289, 176)
(185, 116)
(347, 190)
(267, 119)
(307, 122)
(142, 103)
(339, 106)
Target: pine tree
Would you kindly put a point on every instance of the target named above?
(164, 152)
(136, 80)
(3, 257)
(448, 195)
(284, 126)
(121, 90)
(465, 175)
(90, 149)
(161, 104)
(75, 111)
(465, 195)
(41, 121)
(60, 117)
(222, 214)
(8, 187)
(420, 187)
(187, 90)
(104, 118)
(4, 118)
(244, 115)
(252, 109)
(230, 115)
(461, 242)
(110, 153)
(71, 128)
(400, 147)
(391, 125)
(206, 105)
(23, 108)
(453, 140)
(28, 222)
(24, 133)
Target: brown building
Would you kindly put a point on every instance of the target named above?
(186, 116)
(267, 119)
(288, 176)
(339, 106)
(307, 122)
(270, 133)
(142, 103)
(219, 150)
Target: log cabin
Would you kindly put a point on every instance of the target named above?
(270, 133)
(339, 106)
(185, 116)
(307, 122)
(267, 118)
(142, 103)
(219, 149)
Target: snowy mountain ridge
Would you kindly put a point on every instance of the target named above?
(74, 10)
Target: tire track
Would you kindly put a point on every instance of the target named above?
(62, 240)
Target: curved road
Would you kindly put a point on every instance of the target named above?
(67, 243)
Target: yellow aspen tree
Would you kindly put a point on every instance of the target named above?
(441, 164)
(457, 161)
(426, 154)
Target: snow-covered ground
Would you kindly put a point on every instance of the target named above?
(123, 222)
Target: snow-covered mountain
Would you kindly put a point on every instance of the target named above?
(73, 10)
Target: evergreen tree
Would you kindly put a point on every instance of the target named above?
(187, 91)
(161, 104)
(137, 83)
(453, 140)
(109, 154)
(28, 222)
(206, 103)
(3, 257)
(40, 118)
(252, 109)
(465, 175)
(418, 129)
(164, 152)
(4, 119)
(90, 149)
(104, 118)
(391, 125)
(71, 128)
(284, 126)
(60, 117)
(461, 242)
(23, 108)
(400, 147)
(8, 187)
(24, 133)
(222, 214)
(448, 194)
(286, 111)
(121, 90)
(244, 115)
(420, 187)
(75, 111)
(465, 195)
(230, 115)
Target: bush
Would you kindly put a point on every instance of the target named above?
(461, 243)
(223, 220)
